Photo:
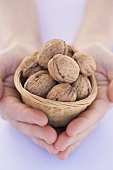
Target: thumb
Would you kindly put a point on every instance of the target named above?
(2, 73)
(1, 88)
(3, 67)
(110, 91)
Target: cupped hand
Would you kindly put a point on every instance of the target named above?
(31, 122)
(85, 123)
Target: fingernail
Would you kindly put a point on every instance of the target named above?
(49, 152)
(37, 123)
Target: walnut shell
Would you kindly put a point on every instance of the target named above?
(71, 50)
(40, 83)
(63, 69)
(86, 63)
(30, 65)
(63, 92)
(82, 86)
(50, 49)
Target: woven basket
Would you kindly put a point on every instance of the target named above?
(59, 113)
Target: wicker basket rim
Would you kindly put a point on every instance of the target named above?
(27, 94)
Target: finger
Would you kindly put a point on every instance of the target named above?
(1, 88)
(16, 53)
(50, 148)
(88, 118)
(64, 140)
(103, 58)
(46, 133)
(18, 111)
(110, 91)
(64, 154)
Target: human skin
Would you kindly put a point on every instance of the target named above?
(95, 38)
(97, 24)
(85, 123)
(19, 36)
(17, 42)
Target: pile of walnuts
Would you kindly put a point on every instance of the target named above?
(58, 72)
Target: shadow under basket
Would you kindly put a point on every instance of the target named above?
(59, 113)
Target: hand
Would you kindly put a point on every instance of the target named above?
(31, 122)
(85, 123)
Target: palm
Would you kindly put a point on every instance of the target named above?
(99, 107)
(83, 125)
(30, 121)
(102, 85)
(103, 75)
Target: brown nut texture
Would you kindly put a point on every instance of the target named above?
(30, 65)
(40, 83)
(63, 69)
(71, 50)
(86, 63)
(82, 86)
(50, 49)
(63, 92)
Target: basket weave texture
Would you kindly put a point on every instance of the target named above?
(59, 113)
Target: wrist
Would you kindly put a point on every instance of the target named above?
(30, 42)
(18, 50)
(23, 48)
(85, 39)
(85, 45)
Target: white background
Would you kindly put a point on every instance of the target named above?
(58, 19)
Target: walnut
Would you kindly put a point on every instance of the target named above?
(40, 83)
(71, 50)
(63, 92)
(50, 49)
(30, 65)
(54, 72)
(86, 63)
(63, 69)
(82, 86)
